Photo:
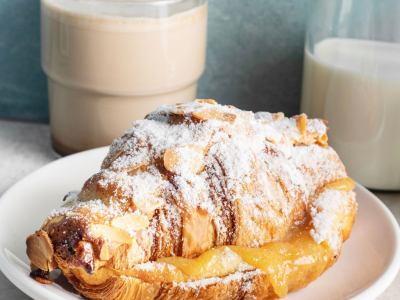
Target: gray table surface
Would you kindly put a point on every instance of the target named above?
(25, 147)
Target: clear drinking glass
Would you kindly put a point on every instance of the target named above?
(352, 79)
(111, 62)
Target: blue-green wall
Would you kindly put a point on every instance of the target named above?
(255, 53)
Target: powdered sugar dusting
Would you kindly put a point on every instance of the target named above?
(204, 283)
(325, 212)
(305, 260)
(316, 125)
(252, 169)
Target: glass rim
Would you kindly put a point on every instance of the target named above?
(140, 2)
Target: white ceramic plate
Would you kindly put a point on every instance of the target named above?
(369, 261)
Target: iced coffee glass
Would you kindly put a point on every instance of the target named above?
(111, 62)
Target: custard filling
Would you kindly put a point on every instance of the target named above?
(297, 259)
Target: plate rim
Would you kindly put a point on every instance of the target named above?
(385, 280)
(374, 290)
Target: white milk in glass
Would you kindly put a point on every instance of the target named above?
(355, 85)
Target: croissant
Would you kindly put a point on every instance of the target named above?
(203, 201)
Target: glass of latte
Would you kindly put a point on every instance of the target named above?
(109, 62)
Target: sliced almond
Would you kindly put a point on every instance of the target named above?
(134, 221)
(71, 214)
(135, 252)
(171, 159)
(278, 116)
(104, 253)
(209, 101)
(301, 121)
(108, 160)
(213, 114)
(138, 170)
(53, 221)
(130, 168)
(40, 250)
(323, 140)
(178, 110)
(197, 233)
(188, 158)
(113, 233)
(148, 207)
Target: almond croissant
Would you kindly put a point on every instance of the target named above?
(202, 201)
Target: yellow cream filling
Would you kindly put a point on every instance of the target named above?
(290, 264)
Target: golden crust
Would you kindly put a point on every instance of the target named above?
(250, 285)
(192, 178)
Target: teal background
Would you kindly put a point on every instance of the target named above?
(254, 57)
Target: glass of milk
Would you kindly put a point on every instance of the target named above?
(352, 79)
(110, 62)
